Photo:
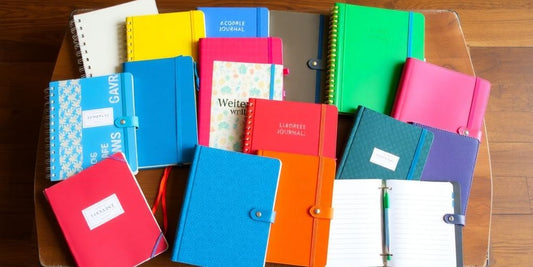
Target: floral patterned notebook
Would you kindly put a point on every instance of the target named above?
(233, 84)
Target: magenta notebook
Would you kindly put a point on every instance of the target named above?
(442, 98)
(249, 50)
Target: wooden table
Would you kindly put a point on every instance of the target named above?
(445, 46)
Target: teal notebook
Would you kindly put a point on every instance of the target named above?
(91, 119)
(367, 49)
(382, 147)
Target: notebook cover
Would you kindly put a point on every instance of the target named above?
(165, 94)
(442, 98)
(452, 158)
(104, 216)
(368, 47)
(236, 21)
(99, 36)
(251, 50)
(305, 37)
(288, 126)
(164, 35)
(382, 147)
(90, 119)
(303, 209)
(227, 210)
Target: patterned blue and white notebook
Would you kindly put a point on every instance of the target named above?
(90, 119)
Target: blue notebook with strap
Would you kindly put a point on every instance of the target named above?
(165, 101)
(236, 21)
(382, 147)
(227, 209)
(90, 119)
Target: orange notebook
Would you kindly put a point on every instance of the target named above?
(300, 233)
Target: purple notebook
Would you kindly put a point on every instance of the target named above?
(452, 158)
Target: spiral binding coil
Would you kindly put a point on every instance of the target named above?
(129, 37)
(332, 55)
(246, 146)
(49, 129)
(78, 40)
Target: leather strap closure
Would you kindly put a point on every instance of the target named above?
(260, 215)
(321, 212)
(456, 219)
(463, 131)
(127, 122)
(316, 64)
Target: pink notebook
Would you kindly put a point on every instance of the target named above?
(442, 98)
(249, 50)
(104, 216)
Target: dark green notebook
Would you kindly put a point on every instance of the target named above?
(367, 49)
(382, 147)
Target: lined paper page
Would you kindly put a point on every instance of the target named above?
(355, 231)
(418, 234)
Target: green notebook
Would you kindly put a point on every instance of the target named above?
(367, 49)
(382, 147)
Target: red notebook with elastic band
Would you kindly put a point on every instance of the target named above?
(292, 127)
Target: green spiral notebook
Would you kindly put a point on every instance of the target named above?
(367, 49)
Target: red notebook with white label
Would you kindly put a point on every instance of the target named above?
(442, 98)
(249, 50)
(104, 216)
(291, 127)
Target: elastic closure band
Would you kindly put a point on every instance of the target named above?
(417, 154)
(410, 34)
(157, 242)
(272, 80)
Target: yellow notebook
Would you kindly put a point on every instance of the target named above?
(164, 35)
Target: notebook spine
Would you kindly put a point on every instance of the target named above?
(250, 112)
(50, 132)
(80, 45)
(129, 38)
(332, 55)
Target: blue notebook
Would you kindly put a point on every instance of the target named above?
(452, 158)
(382, 147)
(90, 119)
(227, 209)
(236, 21)
(165, 102)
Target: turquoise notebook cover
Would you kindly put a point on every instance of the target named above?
(236, 21)
(90, 119)
(165, 102)
(227, 209)
(382, 147)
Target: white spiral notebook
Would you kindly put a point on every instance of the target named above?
(100, 36)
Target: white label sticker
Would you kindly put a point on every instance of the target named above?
(384, 159)
(102, 211)
(98, 117)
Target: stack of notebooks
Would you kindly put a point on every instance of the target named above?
(250, 99)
